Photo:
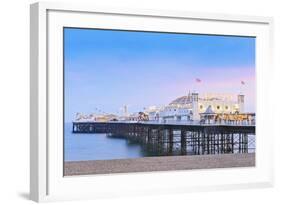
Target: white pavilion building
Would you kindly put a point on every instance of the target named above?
(191, 106)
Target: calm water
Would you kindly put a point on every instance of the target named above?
(80, 147)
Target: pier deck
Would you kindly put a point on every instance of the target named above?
(164, 139)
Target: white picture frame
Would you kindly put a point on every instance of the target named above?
(46, 179)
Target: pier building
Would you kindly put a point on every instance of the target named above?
(191, 108)
(205, 107)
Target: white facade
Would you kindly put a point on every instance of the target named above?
(175, 113)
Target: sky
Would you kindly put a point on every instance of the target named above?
(107, 69)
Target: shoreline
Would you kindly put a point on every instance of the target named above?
(163, 163)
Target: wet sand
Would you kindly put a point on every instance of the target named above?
(167, 163)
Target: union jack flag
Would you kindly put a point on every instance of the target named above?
(198, 80)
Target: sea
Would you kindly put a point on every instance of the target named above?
(80, 147)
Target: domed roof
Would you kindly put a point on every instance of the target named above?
(181, 100)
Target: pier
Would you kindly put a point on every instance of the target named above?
(176, 139)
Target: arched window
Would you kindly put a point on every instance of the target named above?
(218, 107)
(226, 107)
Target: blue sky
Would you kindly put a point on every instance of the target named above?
(107, 69)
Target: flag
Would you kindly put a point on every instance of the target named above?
(198, 80)
(243, 82)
